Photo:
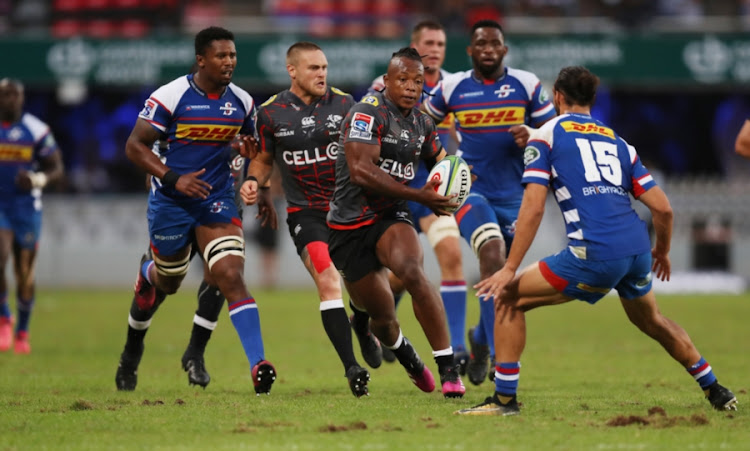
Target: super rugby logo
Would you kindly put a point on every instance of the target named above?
(228, 109)
(361, 126)
(149, 109)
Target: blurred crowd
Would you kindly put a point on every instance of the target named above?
(341, 18)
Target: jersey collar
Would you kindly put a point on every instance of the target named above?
(482, 81)
(202, 92)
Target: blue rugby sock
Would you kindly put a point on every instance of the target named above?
(506, 378)
(702, 373)
(145, 270)
(246, 321)
(487, 318)
(25, 306)
(4, 309)
(453, 293)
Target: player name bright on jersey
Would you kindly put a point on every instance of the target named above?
(207, 132)
(15, 152)
(491, 117)
(588, 127)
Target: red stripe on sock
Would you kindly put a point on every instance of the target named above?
(241, 303)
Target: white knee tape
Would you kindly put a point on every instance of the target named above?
(484, 233)
(171, 269)
(223, 247)
(442, 227)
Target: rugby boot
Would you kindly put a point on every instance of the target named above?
(6, 332)
(388, 355)
(358, 378)
(22, 345)
(492, 406)
(721, 398)
(461, 358)
(196, 369)
(419, 374)
(264, 374)
(451, 382)
(145, 293)
(369, 345)
(479, 356)
(126, 377)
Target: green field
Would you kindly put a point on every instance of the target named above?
(586, 370)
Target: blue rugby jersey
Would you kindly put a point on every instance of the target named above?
(198, 128)
(484, 113)
(592, 172)
(22, 145)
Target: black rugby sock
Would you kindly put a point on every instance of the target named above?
(336, 324)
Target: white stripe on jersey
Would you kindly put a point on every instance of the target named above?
(571, 216)
(528, 80)
(37, 128)
(645, 179)
(245, 97)
(577, 235)
(562, 194)
(543, 111)
(536, 173)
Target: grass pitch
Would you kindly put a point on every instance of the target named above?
(590, 380)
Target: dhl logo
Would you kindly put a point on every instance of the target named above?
(491, 117)
(588, 127)
(15, 152)
(206, 132)
(447, 122)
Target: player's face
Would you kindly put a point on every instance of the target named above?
(11, 101)
(487, 50)
(431, 46)
(218, 63)
(310, 72)
(404, 82)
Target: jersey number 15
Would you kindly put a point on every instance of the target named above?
(600, 161)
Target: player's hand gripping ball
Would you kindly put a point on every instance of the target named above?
(455, 178)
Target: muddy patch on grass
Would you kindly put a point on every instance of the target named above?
(355, 426)
(657, 417)
(81, 404)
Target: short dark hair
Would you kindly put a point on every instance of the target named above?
(205, 37)
(408, 53)
(425, 25)
(486, 23)
(300, 46)
(578, 85)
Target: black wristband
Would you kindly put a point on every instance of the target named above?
(250, 177)
(170, 179)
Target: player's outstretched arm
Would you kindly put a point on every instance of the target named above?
(662, 216)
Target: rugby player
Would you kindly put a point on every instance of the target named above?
(298, 130)
(383, 138)
(29, 160)
(592, 172)
(492, 104)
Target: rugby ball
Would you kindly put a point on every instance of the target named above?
(455, 178)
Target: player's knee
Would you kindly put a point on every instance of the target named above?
(491, 257)
(222, 247)
(484, 235)
(443, 227)
(172, 269)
